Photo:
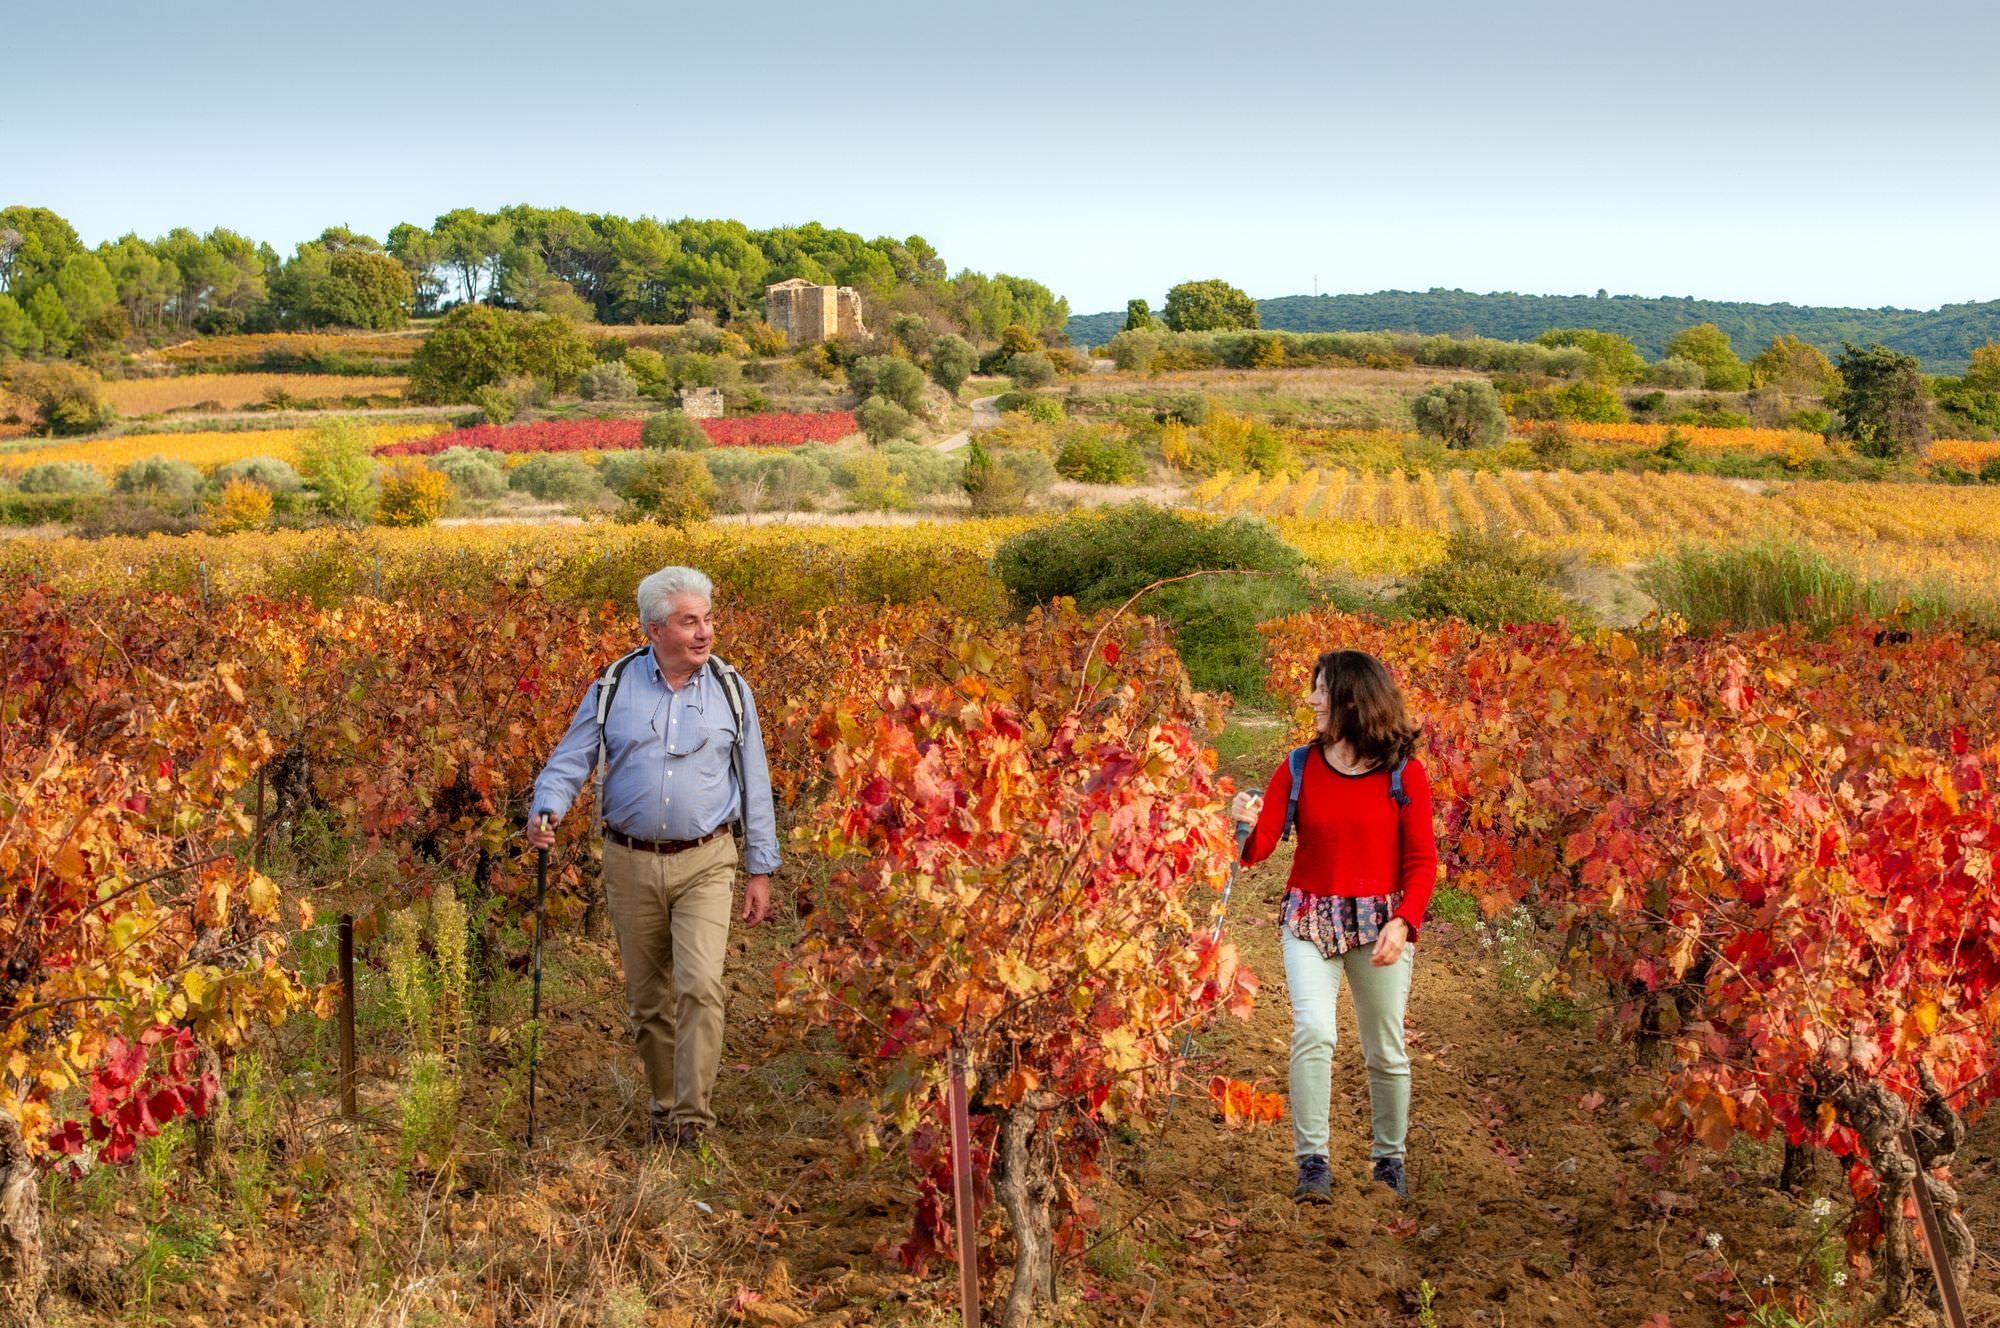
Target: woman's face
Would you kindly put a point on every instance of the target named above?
(1322, 706)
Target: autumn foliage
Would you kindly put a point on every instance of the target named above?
(1775, 853)
(1027, 839)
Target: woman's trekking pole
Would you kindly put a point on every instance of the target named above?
(1228, 884)
(535, 1018)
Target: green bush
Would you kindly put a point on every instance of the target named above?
(66, 477)
(1811, 419)
(275, 475)
(672, 488)
(474, 472)
(1771, 583)
(38, 509)
(882, 420)
(338, 462)
(674, 431)
(1462, 414)
(556, 478)
(1676, 372)
(1589, 403)
(1990, 472)
(609, 381)
(1095, 458)
(1031, 370)
(952, 361)
(1133, 350)
(1103, 559)
(1490, 581)
(925, 470)
(890, 377)
(161, 478)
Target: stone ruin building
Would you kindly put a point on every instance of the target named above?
(806, 313)
(701, 403)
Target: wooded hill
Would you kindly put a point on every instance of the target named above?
(1941, 338)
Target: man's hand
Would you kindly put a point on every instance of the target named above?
(540, 833)
(1389, 944)
(756, 899)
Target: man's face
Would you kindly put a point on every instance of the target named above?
(684, 639)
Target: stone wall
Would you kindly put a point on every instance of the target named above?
(701, 403)
(806, 313)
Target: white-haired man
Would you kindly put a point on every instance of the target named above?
(672, 732)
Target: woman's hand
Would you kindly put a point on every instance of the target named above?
(1389, 944)
(1246, 808)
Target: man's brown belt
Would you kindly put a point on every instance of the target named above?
(624, 840)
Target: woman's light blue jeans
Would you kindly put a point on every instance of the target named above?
(1380, 997)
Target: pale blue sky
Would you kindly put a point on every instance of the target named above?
(1827, 153)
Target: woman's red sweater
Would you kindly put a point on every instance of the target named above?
(1353, 839)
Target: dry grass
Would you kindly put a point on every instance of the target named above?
(249, 346)
(227, 391)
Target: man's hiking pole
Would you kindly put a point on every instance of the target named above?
(535, 1018)
(1228, 884)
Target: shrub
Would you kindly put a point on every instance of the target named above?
(1675, 372)
(477, 345)
(1267, 351)
(1462, 414)
(1589, 403)
(991, 488)
(1094, 458)
(67, 399)
(474, 474)
(412, 494)
(556, 479)
(336, 460)
(1042, 410)
(890, 377)
(882, 420)
(1133, 350)
(240, 504)
(952, 361)
(1708, 346)
(912, 333)
(159, 477)
(61, 477)
(875, 487)
(1031, 370)
(1103, 559)
(609, 381)
(1882, 401)
(925, 470)
(1552, 444)
(670, 487)
(1489, 581)
(1990, 472)
(673, 431)
(1767, 583)
(275, 475)
(1646, 403)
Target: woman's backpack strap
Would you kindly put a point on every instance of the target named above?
(1297, 763)
(1396, 783)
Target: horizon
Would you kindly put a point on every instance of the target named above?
(1328, 143)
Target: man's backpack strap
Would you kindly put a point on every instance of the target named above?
(607, 687)
(1297, 762)
(732, 687)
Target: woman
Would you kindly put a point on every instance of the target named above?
(1362, 877)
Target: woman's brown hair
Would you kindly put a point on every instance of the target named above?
(1365, 708)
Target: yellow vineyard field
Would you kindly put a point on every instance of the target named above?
(1912, 529)
(1969, 453)
(144, 396)
(806, 567)
(205, 449)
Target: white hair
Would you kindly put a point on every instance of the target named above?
(658, 592)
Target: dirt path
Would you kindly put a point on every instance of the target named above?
(985, 415)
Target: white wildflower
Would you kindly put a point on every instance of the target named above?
(1840, 1277)
(1713, 1240)
(1822, 1208)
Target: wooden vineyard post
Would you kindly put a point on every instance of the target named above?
(963, 1216)
(257, 844)
(1933, 1229)
(348, 1107)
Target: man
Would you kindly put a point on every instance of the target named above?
(676, 772)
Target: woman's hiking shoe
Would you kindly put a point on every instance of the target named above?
(1389, 1170)
(1315, 1181)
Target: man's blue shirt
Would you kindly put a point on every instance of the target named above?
(670, 771)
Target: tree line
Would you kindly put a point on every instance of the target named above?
(1941, 338)
(62, 298)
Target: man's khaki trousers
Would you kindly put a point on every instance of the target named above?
(672, 916)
